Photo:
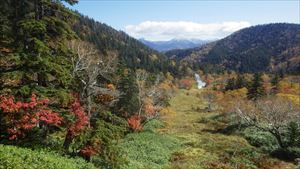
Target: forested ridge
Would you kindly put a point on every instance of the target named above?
(76, 93)
(131, 52)
(269, 47)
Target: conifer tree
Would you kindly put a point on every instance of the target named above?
(275, 80)
(230, 84)
(38, 61)
(128, 102)
(256, 90)
(240, 82)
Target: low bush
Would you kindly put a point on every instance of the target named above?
(147, 148)
(152, 125)
(21, 158)
(267, 142)
(103, 140)
(261, 139)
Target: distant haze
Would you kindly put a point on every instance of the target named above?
(174, 44)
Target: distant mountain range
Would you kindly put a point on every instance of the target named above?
(269, 47)
(163, 46)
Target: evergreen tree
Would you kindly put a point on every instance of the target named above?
(128, 102)
(275, 80)
(240, 82)
(256, 90)
(230, 84)
(38, 61)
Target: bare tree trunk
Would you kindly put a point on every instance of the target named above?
(68, 141)
(140, 109)
(41, 79)
(89, 107)
(277, 135)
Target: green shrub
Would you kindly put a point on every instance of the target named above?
(152, 125)
(267, 142)
(148, 149)
(107, 130)
(263, 140)
(21, 158)
(244, 156)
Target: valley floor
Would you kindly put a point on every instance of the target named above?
(202, 146)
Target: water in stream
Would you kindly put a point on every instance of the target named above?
(200, 83)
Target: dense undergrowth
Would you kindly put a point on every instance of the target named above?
(22, 158)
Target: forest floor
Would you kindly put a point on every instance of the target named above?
(202, 145)
(189, 137)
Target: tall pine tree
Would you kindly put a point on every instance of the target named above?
(128, 102)
(37, 57)
(256, 90)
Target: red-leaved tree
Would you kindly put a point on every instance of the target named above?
(18, 117)
(80, 122)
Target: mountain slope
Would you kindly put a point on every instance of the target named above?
(132, 52)
(270, 47)
(173, 44)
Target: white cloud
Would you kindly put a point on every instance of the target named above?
(157, 30)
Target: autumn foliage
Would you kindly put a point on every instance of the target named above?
(81, 120)
(149, 108)
(186, 84)
(134, 123)
(20, 117)
(88, 151)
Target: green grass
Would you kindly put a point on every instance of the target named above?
(149, 149)
(22, 158)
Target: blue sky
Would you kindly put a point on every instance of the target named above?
(164, 20)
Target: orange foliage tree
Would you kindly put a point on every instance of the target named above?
(230, 98)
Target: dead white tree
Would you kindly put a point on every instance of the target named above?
(88, 65)
(148, 94)
(271, 115)
(141, 79)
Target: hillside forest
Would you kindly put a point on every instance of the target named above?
(77, 94)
